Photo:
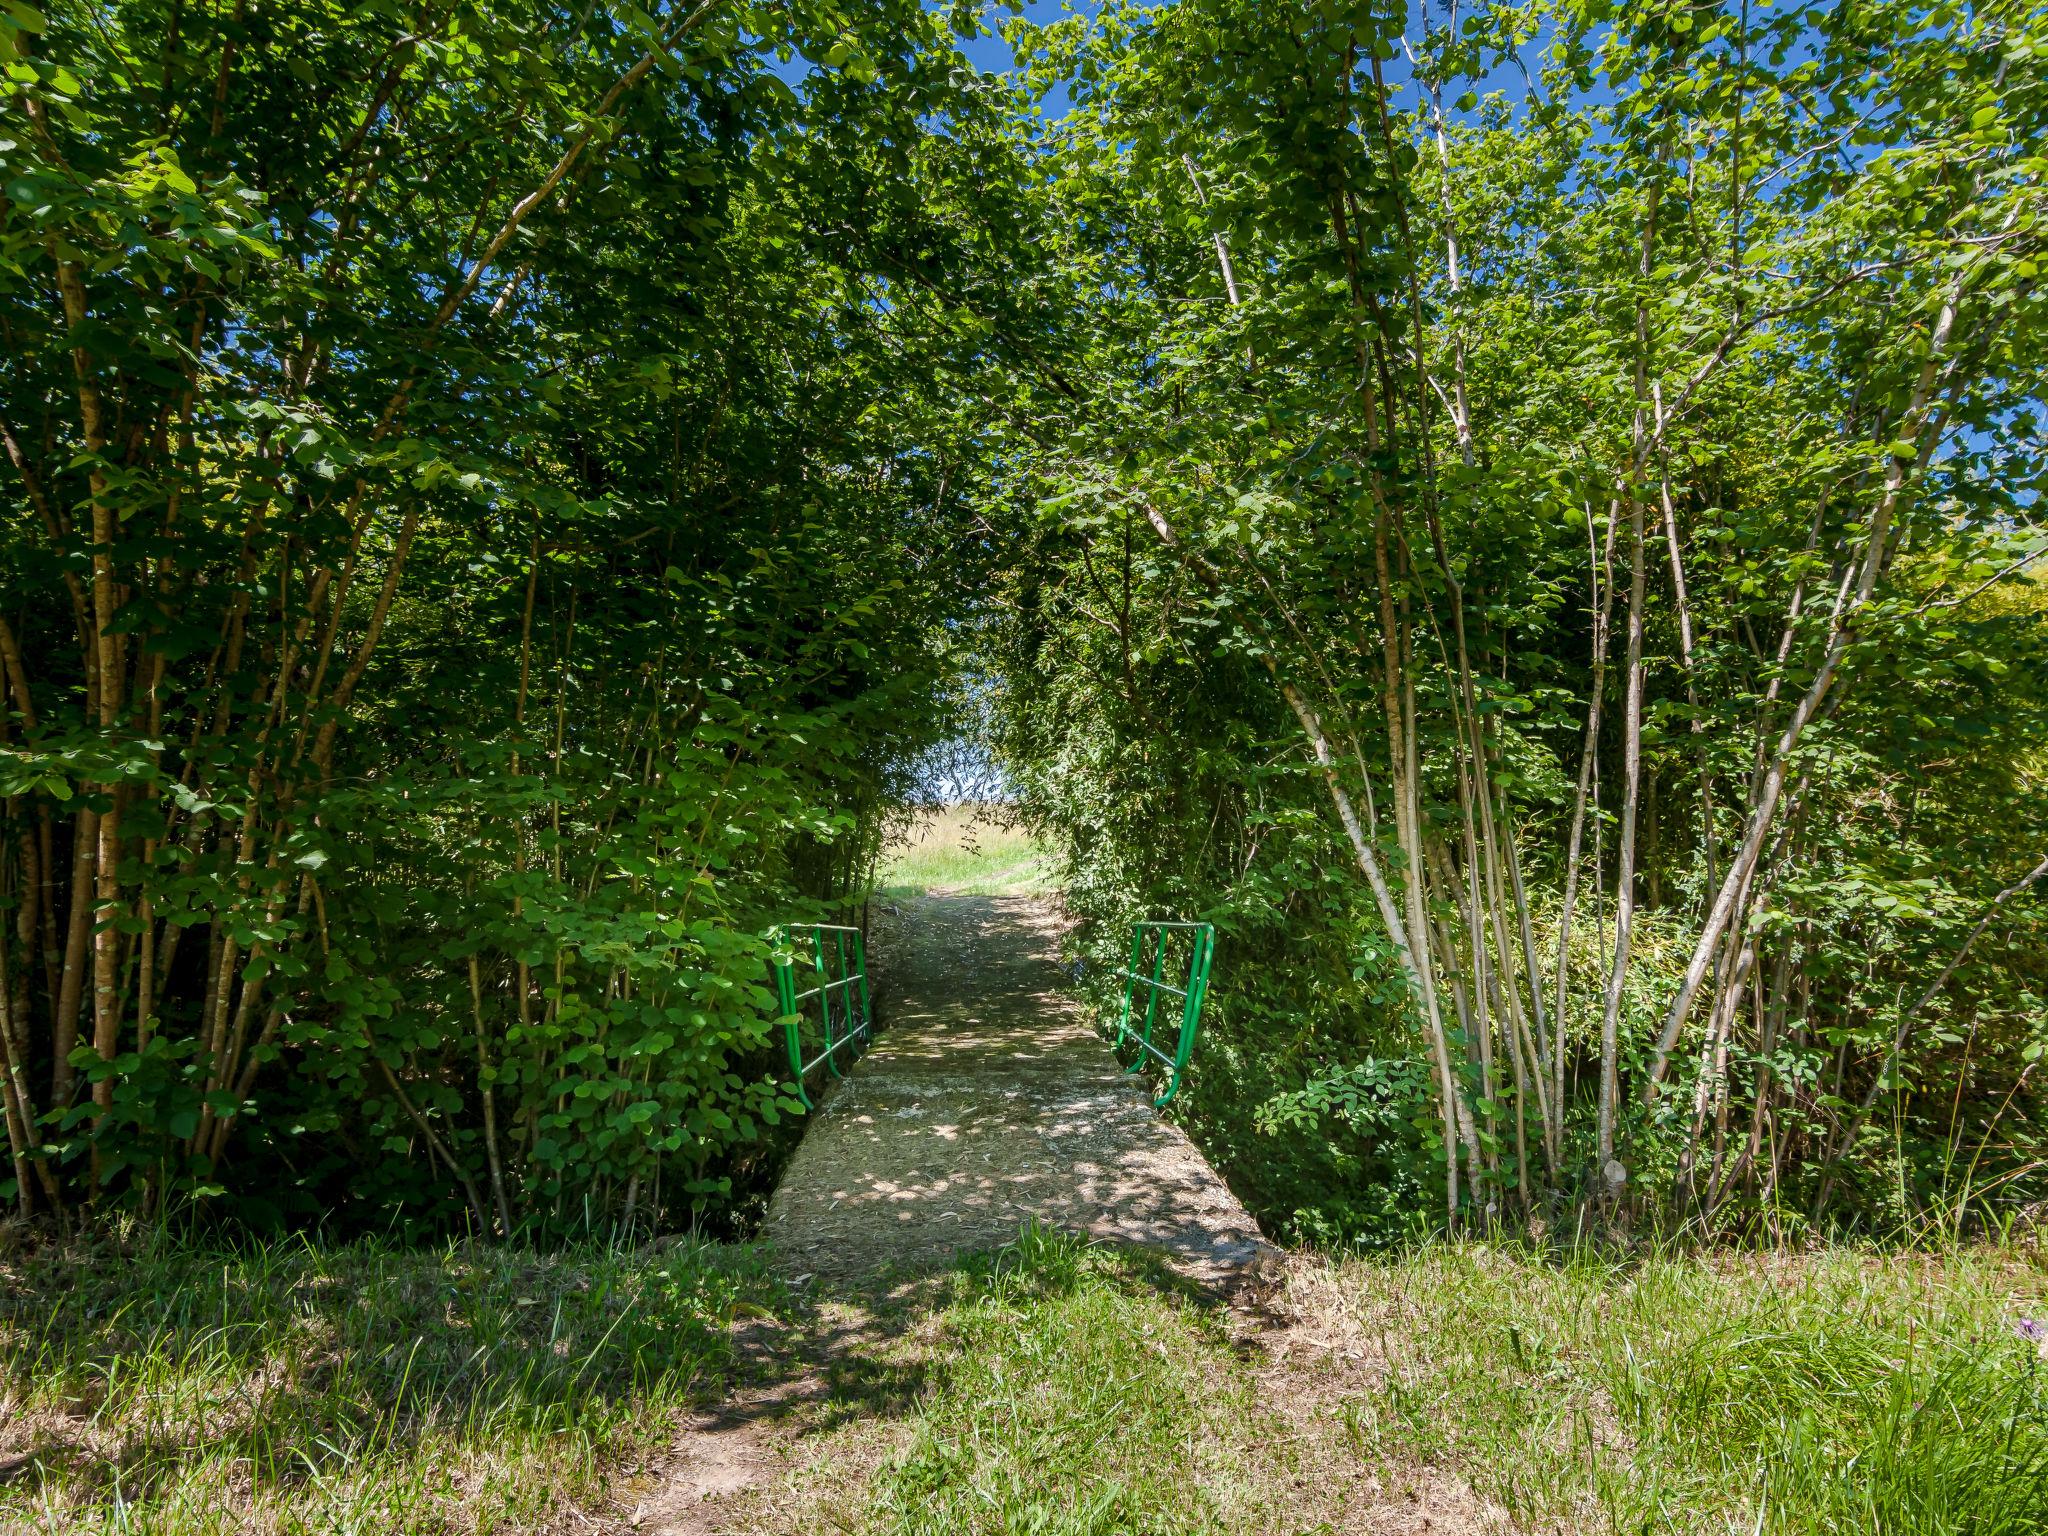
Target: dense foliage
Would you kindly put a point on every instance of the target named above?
(1525, 515)
(478, 549)
(1544, 556)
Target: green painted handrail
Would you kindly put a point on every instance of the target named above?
(1193, 988)
(838, 964)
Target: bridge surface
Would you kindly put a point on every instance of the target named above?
(987, 1100)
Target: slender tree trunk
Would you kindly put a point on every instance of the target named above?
(20, 1115)
(1685, 652)
(71, 992)
(1612, 1172)
(489, 1096)
(1601, 572)
(437, 1146)
(1841, 630)
(1544, 1050)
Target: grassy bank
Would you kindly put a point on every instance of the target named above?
(294, 1388)
(964, 850)
(1837, 1391)
(1054, 1388)
(1469, 1389)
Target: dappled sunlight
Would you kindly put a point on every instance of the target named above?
(987, 1100)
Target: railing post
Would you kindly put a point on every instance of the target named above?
(1152, 992)
(849, 1022)
(792, 1020)
(825, 997)
(867, 1010)
(1193, 992)
(1191, 1006)
(1123, 1028)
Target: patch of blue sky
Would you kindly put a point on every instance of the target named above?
(986, 49)
(991, 53)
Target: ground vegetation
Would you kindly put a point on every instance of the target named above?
(1542, 548)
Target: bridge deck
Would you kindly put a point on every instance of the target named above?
(987, 1100)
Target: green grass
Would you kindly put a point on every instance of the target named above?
(961, 849)
(1069, 1396)
(291, 1387)
(1477, 1388)
(1073, 1404)
(1842, 1391)
(1055, 1388)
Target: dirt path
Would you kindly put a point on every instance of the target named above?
(986, 1101)
(989, 1100)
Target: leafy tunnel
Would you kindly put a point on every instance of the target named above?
(1528, 523)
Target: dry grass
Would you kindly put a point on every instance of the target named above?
(964, 850)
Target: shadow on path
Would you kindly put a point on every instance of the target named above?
(986, 1102)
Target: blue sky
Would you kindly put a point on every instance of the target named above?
(990, 52)
(986, 52)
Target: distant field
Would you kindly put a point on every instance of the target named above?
(961, 849)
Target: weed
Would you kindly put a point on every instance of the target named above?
(292, 1386)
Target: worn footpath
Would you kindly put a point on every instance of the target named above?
(987, 1102)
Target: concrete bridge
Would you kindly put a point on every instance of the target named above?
(986, 1101)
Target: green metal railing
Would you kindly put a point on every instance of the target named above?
(834, 959)
(1200, 945)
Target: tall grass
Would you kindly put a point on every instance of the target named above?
(295, 1387)
(1052, 1388)
(1471, 1388)
(1076, 1399)
(1843, 1391)
(963, 850)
